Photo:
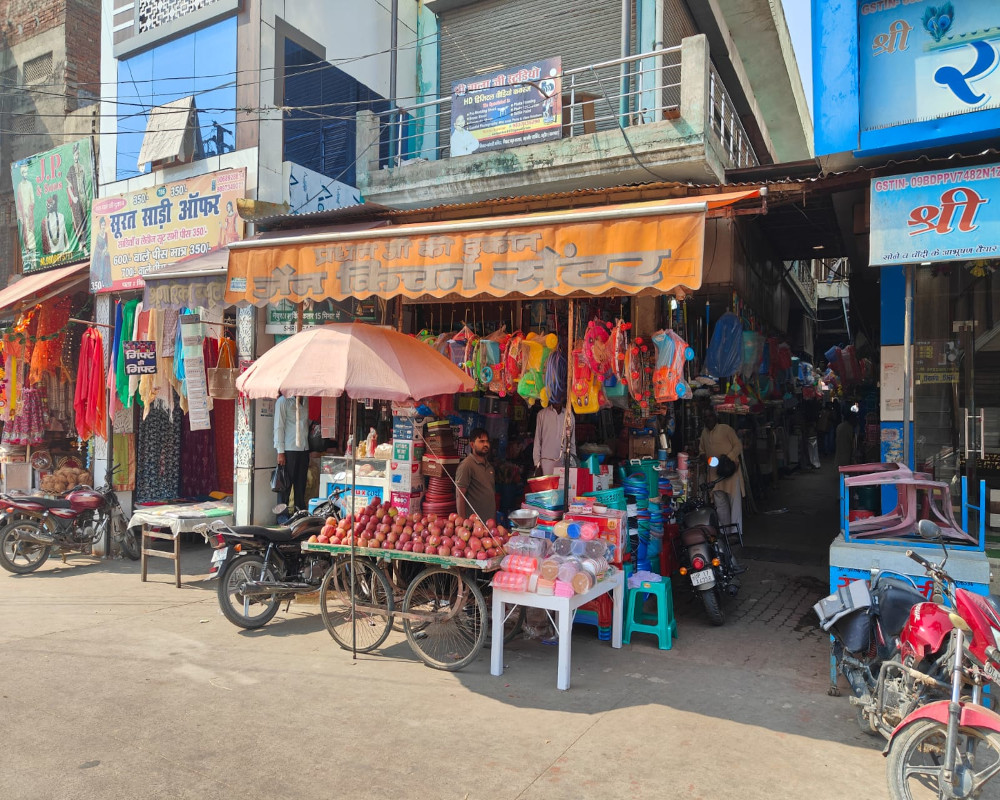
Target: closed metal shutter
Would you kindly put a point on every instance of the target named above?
(498, 34)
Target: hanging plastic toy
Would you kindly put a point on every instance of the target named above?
(506, 376)
(639, 373)
(585, 393)
(668, 376)
(536, 349)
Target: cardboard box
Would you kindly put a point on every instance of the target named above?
(402, 450)
(407, 427)
(405, 477)
(582, 480)
(406, 502)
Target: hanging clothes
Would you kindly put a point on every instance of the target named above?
(158, 468)
(29, 425)
(116, 341)
(128, 310)
(46, 357)
(224, 421)
(89, 399)
(199, 473)
(123, 457)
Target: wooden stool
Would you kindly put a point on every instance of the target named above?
(153, 532)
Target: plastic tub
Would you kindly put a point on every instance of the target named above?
(543, 483)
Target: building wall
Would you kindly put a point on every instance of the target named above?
(49, 63)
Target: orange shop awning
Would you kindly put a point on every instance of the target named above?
(37, 286)
(639, 248)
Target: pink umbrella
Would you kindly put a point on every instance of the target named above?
(365, 361)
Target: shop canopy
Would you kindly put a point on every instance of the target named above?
(192, 283)
(635, 249)
(39, 286)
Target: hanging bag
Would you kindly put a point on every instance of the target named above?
(222, 378)
(279, 479)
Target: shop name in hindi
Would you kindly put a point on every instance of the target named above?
(159, 215)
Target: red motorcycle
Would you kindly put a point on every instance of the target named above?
(31, 526)
(949, 748)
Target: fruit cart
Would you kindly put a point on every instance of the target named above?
(443, 612)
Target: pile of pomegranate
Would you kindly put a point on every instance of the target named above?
(382, 526)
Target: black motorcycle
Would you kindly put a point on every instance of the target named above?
(705, 552)
(260, 567)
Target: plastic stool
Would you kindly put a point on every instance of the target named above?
(662, 624)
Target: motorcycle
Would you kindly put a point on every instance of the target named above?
(259, 568)
(30, 527)
(889, 653)
(950, 748)
(705, 553)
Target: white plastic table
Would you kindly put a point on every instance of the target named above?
(565, 607)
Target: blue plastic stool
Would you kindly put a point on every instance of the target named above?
(661, 624)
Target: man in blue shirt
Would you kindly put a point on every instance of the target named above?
(291, 440)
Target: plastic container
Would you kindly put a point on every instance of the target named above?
(546, 587)
(588, 531)
(523, 565)
(549, 568)
(527, 546)
(583, 582)
(568, 569)
(511, 581)
(563, 589)
(543, 483)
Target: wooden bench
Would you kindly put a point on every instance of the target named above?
(150, 533)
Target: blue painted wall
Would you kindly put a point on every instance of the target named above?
(836, 110)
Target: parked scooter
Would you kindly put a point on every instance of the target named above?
(259, 568)
(705, 553)
(31, 526)
(950, 748)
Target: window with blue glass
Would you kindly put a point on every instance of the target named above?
(201, 64)
(319, 133)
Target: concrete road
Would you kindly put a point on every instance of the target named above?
(113, 688)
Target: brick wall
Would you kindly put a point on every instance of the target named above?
(83, 52)
(24, 19)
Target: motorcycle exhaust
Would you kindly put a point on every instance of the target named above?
(265, 588)
(36, 536)
(733, 589)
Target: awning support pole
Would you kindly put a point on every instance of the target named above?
(907, 363)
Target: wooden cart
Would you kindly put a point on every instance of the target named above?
(440, 603)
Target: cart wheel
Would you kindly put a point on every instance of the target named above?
(373, 604)
(453, 636)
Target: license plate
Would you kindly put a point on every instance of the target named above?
(219, 555)
(705, 576)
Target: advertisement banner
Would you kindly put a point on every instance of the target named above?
(282, 316)
(53, 193)
(923, 60)
(507, 108)
(138, 233)
(945, 215)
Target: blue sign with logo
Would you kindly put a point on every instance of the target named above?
(926, 70)
(945, 215)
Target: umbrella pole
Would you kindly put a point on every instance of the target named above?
(567, 405)
(354, 490)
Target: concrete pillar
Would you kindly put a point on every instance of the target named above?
(367, 136)
(244, 445)
(102, 448)
(695, 69)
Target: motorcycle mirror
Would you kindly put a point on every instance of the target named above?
(713, 462)
(928, 530)
(281, 508)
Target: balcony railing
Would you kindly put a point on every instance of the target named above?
(726, 125)
(621, 93)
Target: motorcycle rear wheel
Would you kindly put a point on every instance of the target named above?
(916, 761)
(19, 556)
(713, 606)
(259, 611)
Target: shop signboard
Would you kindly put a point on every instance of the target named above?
(53, 192)
(140, 358)
(141, 232)
(282, 317)
(643, 248)
(508, 108)
(926, 60)
(944, 215)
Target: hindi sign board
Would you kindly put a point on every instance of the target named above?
(140, 358)
(53, 193)
(944, 215)
(282, 317)
(507, 108)
(141, 232)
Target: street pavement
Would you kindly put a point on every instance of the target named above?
(113, 688)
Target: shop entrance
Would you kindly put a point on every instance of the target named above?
(956, 380)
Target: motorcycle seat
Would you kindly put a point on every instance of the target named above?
(276, 535)
(696, 535)
(44, 502)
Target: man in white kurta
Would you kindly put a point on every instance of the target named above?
(718, 439)
(550, 426)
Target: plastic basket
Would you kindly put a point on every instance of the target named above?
(612, 498)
